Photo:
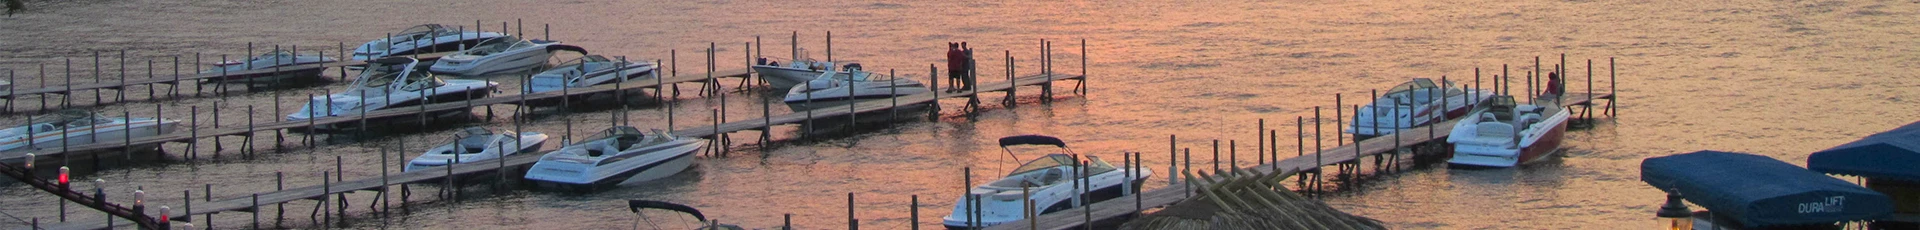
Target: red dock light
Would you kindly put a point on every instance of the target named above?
(63, 177)
(164, 210)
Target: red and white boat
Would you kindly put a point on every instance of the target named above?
(1502, 133)
(1419, 102)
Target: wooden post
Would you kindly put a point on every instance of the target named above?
(852, 223)
(913, 209)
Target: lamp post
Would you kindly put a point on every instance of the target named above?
(1674, 215)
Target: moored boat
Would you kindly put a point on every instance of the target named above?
(615, 156)
(1416, 103)
(391, 83)
(270, 60)
(843, 88)
(75, 127)
(1048, 182)
(1502, 133)
(477, 144)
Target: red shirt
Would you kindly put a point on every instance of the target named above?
(956, 60)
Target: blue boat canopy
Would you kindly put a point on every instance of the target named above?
(1760, 191)
(1893, 154)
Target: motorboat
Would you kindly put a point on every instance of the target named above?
(419, 39)
(784, 76)
(615, 156)
(1050, 182)
(75, 127)
(1416, 103)
(269, 61)
(844, 88)
(587, 71)
(1502, 133)
(495, 55)
(391, 83)
(477, 144)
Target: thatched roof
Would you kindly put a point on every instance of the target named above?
(1249, 201)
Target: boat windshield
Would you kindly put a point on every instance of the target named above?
(1050, 161)
(576, 62)
(69, 118)
(1098, 166)
(497, 45)
(1501, 107)
(623, 136)
(1417, 83)
(423, 29)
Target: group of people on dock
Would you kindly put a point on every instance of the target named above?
(959, 67)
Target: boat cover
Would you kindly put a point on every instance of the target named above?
(552, 48)
(1031, 140)
(1760, 191)
(1894, 154)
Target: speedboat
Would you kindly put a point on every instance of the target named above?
(75, 127)
(1049, 182)
(843, 88)
(267, 61)
(421, 39)
(794, 72)
(587, 71)
(494, 55)
(390, 83)
(615, 156)
(1502, 133)
(1413, 104)
(477, 144)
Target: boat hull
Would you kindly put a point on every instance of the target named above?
(531, 141)
(1107, 186)
(86, 136)
(443, 97)
(782, 78)
(463, 65)
(629, 171)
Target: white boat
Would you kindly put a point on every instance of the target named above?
(391, 83)
(615, 156)
(1051, 180)
(495, 55)
(843, 88)
(73, 128)
(1413, 104)
(784, 76)
(427, 38)
(477, 144)
(587, 71)
(268, 61)
(1502, 133)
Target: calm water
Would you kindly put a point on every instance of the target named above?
(1777, 78)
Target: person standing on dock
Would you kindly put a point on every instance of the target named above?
(955, 61)
(967, 79)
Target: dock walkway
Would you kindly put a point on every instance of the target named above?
(253, 202)
(1124, 206)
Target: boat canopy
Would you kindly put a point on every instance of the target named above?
(1760, 191)
(1893, 154)
(1031, 140)
(636, 205)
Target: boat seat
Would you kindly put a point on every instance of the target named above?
(1493, 129)
(1527, 120)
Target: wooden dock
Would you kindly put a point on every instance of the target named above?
(1310, 162)
(383, 184)
(278, 124)
(175, 80)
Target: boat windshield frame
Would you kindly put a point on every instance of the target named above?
(1047, 162)
(1416, 83)
(612, 132)
(422, 29)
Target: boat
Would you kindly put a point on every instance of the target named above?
(477, 144)
(268, 61)
(842, 88)
(1051, 180)
(391, 83)
(784, 76)
(76, 127)
(419, 39)
(495, 55)
(586, 71)
(615, 156)
(1413, 104)
(1502, 133)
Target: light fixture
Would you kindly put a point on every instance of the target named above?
(1675, 215)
